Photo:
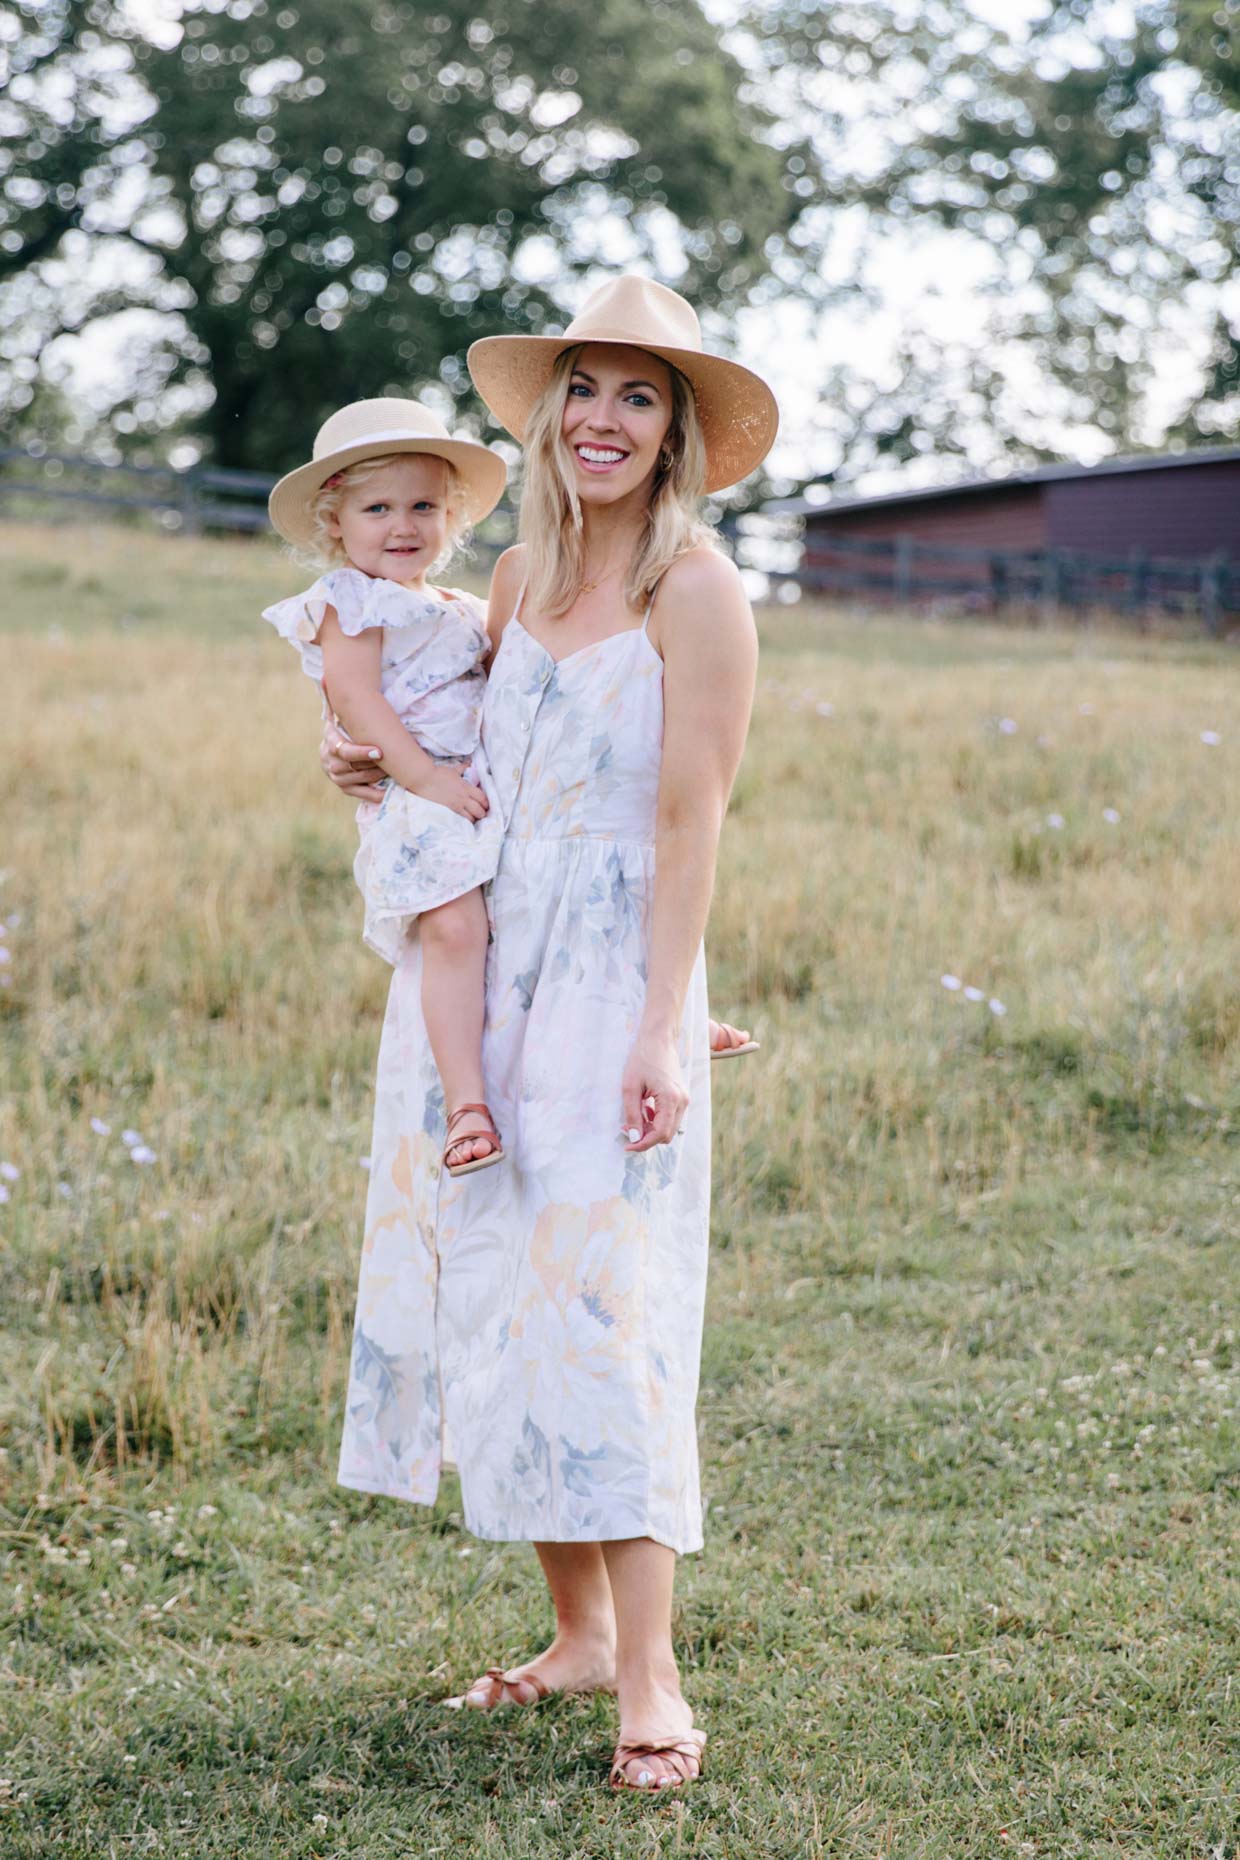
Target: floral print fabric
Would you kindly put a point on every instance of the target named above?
(414, 854)
(538, 1324)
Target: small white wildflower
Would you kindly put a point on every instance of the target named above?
(1111, 815)
(5, 957)
(951, 982)
(1008, 726)
(1211, 738)
(974, 994)
(64, 1191)
(319, 1821)
(4, 1193)
(825, 710)
(996, 1006)
(130, 1137)
(141, 1154)
(100, 1128)
(9, 1171)
(1054, 820)
(208, 1511)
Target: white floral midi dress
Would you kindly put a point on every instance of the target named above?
(538, 1324)
(414, 854)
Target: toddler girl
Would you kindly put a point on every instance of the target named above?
(400, 664)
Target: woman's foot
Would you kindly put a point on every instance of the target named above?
(581, 1663)
(652, 1712)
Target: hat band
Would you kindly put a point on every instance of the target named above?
(382, 438)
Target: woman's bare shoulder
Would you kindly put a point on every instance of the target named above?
(700, 598)
(507, 578)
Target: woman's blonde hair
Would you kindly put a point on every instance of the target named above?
(327, 551)
(551, 523)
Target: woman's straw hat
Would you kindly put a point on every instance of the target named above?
(736, 409)
(370, 429)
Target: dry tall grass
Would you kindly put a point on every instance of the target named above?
(925, 1206)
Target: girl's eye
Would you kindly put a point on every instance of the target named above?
(425, 504)
(373, 509)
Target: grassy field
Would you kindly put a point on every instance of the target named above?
(969, 1403)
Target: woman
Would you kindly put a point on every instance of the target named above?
(539, 1324)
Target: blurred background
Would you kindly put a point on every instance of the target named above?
(960, 236)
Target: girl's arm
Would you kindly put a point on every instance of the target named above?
(710, 655)
(351, 673)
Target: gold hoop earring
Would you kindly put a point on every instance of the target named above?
(667, 459)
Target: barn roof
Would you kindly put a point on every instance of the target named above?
(1011, 481)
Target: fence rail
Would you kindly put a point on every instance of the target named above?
(906, 570)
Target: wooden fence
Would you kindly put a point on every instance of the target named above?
(902, 571)
(905, 571)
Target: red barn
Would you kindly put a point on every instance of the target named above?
(1162, 529)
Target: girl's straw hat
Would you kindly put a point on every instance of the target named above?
(370, 429)
(736, 409)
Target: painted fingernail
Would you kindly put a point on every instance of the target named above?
(374, 755)
(634, 1136)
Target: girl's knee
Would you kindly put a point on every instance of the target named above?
(456, 929)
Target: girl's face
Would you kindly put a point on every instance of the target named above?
(396, 523)
(616, 417)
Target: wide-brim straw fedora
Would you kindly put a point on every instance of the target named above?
(735, 407)
(371, 429)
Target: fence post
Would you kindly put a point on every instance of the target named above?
(1138, 581)
(903, 570)
(1212, 571)
(1052, 581)
(191, 519)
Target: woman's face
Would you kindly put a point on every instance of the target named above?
(616, 417)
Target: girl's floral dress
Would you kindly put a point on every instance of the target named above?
(538, 1324)
(414, 854)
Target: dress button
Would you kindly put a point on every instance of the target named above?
(526, 724)
(516, 774)
(433, 1171)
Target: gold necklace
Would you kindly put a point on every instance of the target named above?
(588, 587)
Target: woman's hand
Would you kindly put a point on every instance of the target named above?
(653, 1095)
(354, 767)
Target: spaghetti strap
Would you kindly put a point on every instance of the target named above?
(516, 612)
(650, 607)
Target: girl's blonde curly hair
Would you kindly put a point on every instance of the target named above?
(324, 550)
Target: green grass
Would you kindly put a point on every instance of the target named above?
(969, 1402)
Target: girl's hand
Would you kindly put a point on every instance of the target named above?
(354, 767)
(653, 1095)
(452, 790)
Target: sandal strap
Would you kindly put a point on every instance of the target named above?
(481, 1109)
(499, 1679)
(679, 1751)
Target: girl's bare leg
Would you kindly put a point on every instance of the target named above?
(652, 1706)
(582, 1656)
(454, 951)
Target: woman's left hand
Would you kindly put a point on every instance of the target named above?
(653, 1095)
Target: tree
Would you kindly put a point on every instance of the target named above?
(351, 190)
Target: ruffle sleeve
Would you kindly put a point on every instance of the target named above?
(300, 618)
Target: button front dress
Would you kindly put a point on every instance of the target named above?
(538, 1324)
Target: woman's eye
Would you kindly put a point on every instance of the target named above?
(641, 400)
(578, 387)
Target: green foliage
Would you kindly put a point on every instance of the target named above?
(353, 185)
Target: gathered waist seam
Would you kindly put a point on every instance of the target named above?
(576, 839)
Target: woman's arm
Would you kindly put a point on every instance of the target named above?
(709, 644)
(351, 678)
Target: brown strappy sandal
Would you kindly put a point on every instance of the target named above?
(679, 1751)
(489, 1135)
(497, 1684)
